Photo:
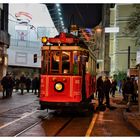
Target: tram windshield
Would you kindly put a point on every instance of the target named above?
(61, 62)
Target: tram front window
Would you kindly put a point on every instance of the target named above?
(60, 62)
(55, 61)
(65, 62)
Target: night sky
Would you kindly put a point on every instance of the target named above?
(83, 15)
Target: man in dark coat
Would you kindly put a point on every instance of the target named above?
(128, 89)
(100, 91)
(35, 84)
(17, 82)
(22, 83)
(4, 85)
(28, 83)
(8, 84)
(106, 89)
(113, 87)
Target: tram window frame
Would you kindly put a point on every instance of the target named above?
(47, 57)
(77, 62)
(44, 62)
(59, 69)
(53, 60)
(66, 62)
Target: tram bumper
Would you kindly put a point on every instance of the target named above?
(64, 105)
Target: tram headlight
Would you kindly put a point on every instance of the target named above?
(59, 86)
(44, 40)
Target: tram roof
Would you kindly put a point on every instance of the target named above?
(66, 48)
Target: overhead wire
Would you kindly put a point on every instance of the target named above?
(80, 16)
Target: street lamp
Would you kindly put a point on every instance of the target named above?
(99, 30)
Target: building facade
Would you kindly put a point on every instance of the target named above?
(27, 24)
(4, 39)
(119, 42)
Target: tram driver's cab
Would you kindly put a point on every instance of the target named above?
(61, 62)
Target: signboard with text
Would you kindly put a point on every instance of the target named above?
(111, 29)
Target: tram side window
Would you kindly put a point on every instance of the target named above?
(75, 63)
(65, 62)
(44, 62)
(55, 60)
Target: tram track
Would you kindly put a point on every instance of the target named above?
(23, 132)
(23, 124)
(30, 127)
(12, 122)
(63, 127)
(15, 114)
(57, 125)
(20, 110)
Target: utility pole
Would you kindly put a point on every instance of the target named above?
(128, 57)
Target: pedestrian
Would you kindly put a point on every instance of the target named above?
(120, 86)
(35, 85)
(28, 84)
(106, 89)
(129, 90)
(17, 82)
(135, 90)
(4, 85)
(100, 91)
(10, 84)
(22, 83)
(113, 87)
(123, 92)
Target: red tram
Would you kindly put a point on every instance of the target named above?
(68, 72)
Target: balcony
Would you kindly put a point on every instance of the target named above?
(24, 43)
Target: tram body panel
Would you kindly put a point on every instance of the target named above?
(87, 85)
(70, 93)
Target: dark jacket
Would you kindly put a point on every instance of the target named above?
(99, 84)
(129, 87)
(4, 81)
(106, 86)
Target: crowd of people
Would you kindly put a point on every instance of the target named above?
(9, 82)
(106, 86)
